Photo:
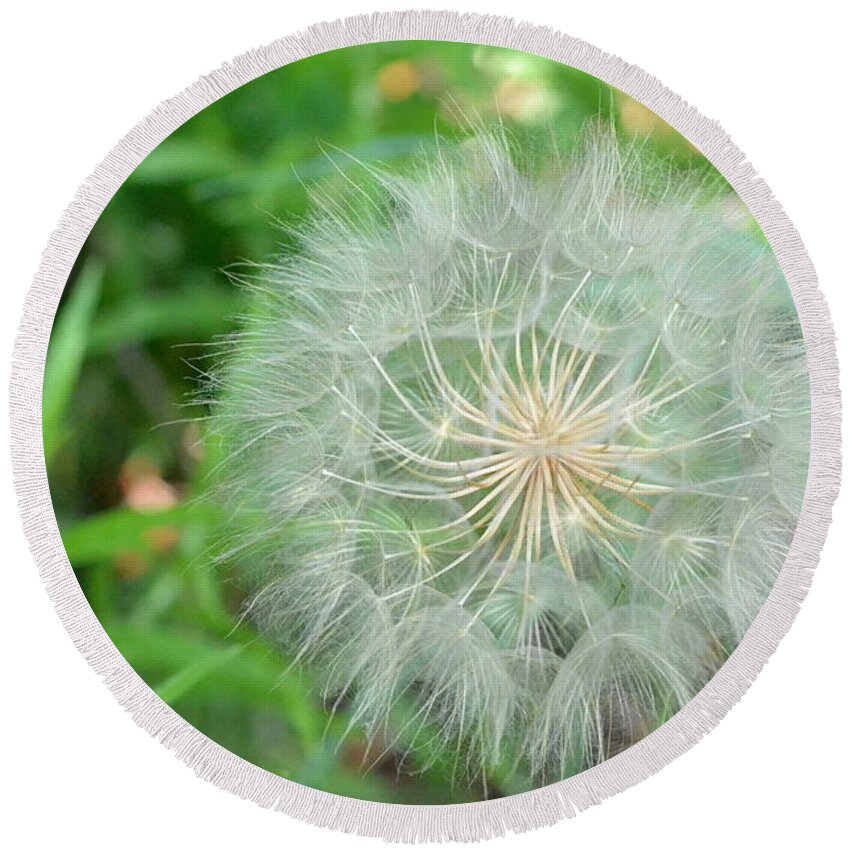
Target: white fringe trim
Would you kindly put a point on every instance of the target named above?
(471, 821)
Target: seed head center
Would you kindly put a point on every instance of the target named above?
(528, 447)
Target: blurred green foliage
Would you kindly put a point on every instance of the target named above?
(126, 457)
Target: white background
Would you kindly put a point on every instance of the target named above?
(77, 77)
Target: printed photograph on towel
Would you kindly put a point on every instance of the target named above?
(426, 422)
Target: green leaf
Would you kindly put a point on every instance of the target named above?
(196, 312)
(66, 353)
(184, 161)
(100, 537)
(184, 680)
(383, 150)
(260, 677)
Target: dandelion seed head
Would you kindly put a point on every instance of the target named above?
(516, 449)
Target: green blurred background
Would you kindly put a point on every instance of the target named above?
(125, 454)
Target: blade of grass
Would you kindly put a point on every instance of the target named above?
(66, 353)
(260, 678)
(184, 680)
(100, 537)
